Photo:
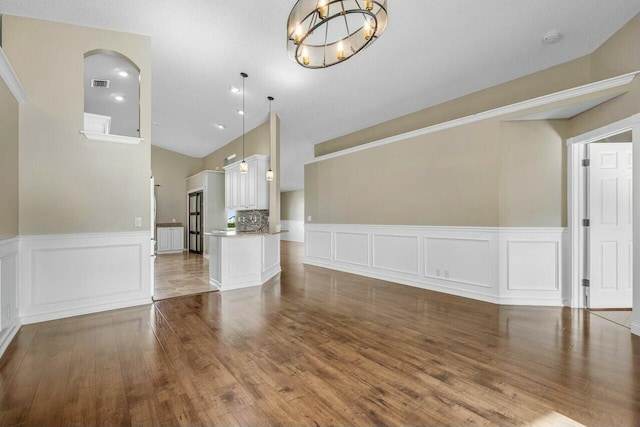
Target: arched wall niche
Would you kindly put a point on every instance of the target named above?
(111, 96)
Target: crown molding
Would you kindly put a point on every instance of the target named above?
(11, 79)
(611, 83)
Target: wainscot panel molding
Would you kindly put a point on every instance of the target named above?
(502, 265)
(73, 274)
(9, 319)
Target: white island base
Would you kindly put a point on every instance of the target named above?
(242, 260)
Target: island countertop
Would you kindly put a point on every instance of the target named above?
(235, 233)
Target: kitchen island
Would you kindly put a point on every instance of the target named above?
(241, 260)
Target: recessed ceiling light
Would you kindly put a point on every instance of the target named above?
(235, 89)
(220, 126)
(551, 37)
(241, 112)
(123, 73)
(119, 98)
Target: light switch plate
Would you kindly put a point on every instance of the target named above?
(138, 222)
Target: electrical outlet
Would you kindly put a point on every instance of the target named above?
(446, 274)
(437, 272)
(309, 218)
(138, 222)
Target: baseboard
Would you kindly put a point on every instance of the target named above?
(430, 286)
(54, 315)
(269, 274)
(8, 337)
(635, 327)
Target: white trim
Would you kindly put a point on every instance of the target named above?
(448, 268)
(106, 137)
(575, 190)
(9, 287)
(7, 338)
(88, 309)
(635, 327)
(583, 90)
(11, 79)
(74, 274)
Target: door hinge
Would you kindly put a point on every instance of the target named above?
(585, 162)
(586, 223)
(585, 283)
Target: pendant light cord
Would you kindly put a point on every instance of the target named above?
(243, 113)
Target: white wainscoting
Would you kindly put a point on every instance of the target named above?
(295, 231)
(69, 275)
(635, 327)
(519, 266)
(9, 319)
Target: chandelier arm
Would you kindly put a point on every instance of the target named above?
(324, 48)
(346, 24)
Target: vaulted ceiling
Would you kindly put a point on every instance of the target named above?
(432, 51)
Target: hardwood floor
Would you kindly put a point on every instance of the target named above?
(318, 347)
(621, 317)
(180, 274)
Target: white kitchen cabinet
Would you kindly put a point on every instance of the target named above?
(170, 239)
(244, 191)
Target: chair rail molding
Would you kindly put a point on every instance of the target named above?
(501, 265)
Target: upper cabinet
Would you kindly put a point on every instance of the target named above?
(249, 190)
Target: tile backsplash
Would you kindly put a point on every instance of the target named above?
(256, 221)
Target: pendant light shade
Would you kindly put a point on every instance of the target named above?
(244, 168)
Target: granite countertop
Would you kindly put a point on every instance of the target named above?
(168, 224)
(235, 233)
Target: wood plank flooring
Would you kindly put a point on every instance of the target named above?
(317, 347)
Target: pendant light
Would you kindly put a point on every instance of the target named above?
(244, 168)
(270, 172)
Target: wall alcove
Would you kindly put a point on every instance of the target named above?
(111, 97)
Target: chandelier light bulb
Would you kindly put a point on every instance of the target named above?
(305, 56)
(323, 9)
(368, 5)
(367, 30)
(297, 35)
(340, 51)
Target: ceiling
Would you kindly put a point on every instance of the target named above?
(432, 51)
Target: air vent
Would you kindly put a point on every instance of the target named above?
(100, 83)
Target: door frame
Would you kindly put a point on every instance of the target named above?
(576, 201)
(202, 189)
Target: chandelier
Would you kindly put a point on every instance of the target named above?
(322, 33)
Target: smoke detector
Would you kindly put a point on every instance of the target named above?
(551, 37)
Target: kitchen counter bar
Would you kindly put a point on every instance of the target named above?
(250, 259)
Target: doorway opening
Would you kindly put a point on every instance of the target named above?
(600, 175)
(195, 222)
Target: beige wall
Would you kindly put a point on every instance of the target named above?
(564, 76)
(69, 184)
(444, 178)
(490, 173)
(532, 174)
(171, 171)
(292, 207)
(8, 163)
(256, 141)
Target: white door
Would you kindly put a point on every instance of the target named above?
(610, 228)
(152, 248)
